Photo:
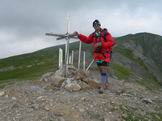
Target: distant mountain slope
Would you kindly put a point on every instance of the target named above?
(141, 54)
(151, 45)
(136, 57)
(32, 65)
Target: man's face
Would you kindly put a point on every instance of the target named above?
(96, 27)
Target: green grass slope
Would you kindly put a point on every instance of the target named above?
(33, 65)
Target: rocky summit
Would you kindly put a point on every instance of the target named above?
(76, 98)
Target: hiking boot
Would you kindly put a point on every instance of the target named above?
(101, 91)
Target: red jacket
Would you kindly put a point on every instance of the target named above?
(107, 43)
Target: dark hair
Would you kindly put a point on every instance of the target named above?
(96, 23)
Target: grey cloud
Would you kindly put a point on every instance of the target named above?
(28, 19)
(35, 16)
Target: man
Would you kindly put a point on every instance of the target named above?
(102, 43)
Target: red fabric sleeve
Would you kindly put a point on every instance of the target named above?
(109, 42)
(86, 39)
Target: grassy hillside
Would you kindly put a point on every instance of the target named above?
(28, 66)
(128, 60)
(32, 65)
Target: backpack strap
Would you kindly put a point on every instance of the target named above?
(93, 35)
(104, 33)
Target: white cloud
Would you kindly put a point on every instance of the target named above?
(10, 46)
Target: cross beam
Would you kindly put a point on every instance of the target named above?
(62, 36)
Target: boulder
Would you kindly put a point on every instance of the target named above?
(2, 93)
(92, 83)
(71, 71)
(57, 80)
(147, 101)
(47, 77)
(83, 85)
(71, 85)
(74, 81)
(60, 73)
(80, 75)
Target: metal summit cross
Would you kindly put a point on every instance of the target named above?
(67, 36)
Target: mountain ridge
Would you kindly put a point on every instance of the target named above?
(131, 49)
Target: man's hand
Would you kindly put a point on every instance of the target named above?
(75, 33)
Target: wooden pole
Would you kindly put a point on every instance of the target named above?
(80, 47)
(84, 60)
(60, 58)
(72, 57)
(89, 65)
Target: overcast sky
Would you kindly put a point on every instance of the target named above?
(23, 23)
